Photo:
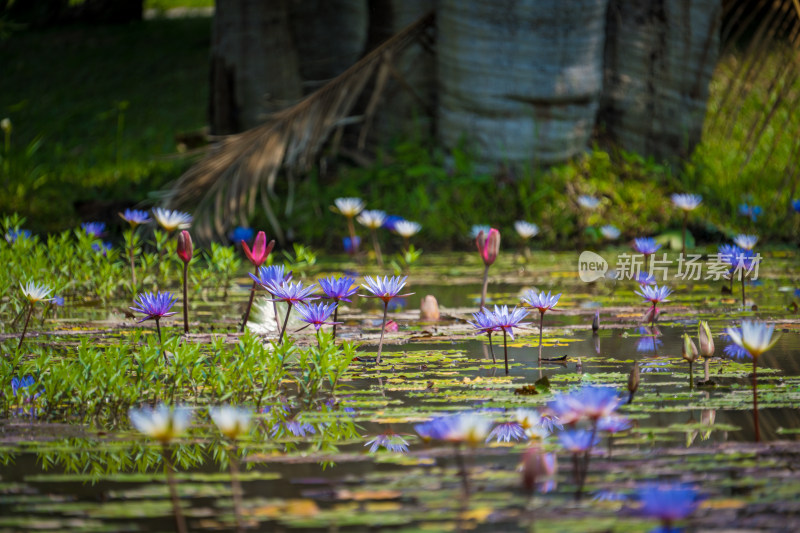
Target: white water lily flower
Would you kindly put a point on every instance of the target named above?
(610, 232)
(588, 202)
(406, 229)
(754, 336)
(526, 230)
(372, 219)
(163, 423)
(470, 428)
(686, 202)
(349, 207)
(36, 292)
(172, 220)
(746, 242)
(233, 422)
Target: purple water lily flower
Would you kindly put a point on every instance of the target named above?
(316, 315)
(654, 294)
(154, 305)
(390, 441)
(435, 429)
(506, 320)
(578, 440)
(94, 229)
(589, 402)
(135, 217)
(643, 278)
(337, 289)
(386, 289)
(541, 301)
(796, 205)
(294, 427)
(240, 233)
(507, 431)
(291, 294)
(646, 245)
(13, 235)
(736, 352)
(614, 424)
(274, 274)
(668, 502)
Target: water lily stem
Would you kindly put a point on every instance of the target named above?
(133, 268)
(691, 376)
(491, 347)
(462, 469)
(180, 521)
(185, 298)
(485, 285)
(683, 233)
(541, 329)
(383, 329)
(505, 349)
(25, 327)
(755, 401)
(335, 314)
(249, 306)
(743, 298)
(236, 488)
(285, 322)
(377, 247)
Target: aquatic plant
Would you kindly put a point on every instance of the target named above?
(373, 220)
(165, 424)
(349, 208)
(316, 315)
(339, 290)
(488, 246)
(33, 293)
(385, 289)
(646, 246)
(506, 321)
(579, 442)
(543, 302)
(485, 321)
(538, 464)
(755, 337)
(271, 275)
(406, 229)
(686, 203)
(185, 251)
(233, 422)
(257, 256)
(633, 381)
(155, 306)
(134, 218)
(506, 432)
(706, 343)
(655, 295)
(291, 294)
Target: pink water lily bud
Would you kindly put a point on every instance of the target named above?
(488, 245)
(429, 308)
(261, 249)
(185, 249)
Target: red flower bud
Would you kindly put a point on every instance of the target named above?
(261, 249)
(185, 249)
(488, 245)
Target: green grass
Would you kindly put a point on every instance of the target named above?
(62, 91)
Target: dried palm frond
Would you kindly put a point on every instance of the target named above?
(222, 189)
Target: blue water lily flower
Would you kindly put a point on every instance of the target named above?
(506, 320)
(796, 205)
(654, 293)
(274, 274)
(384, 288)
(610, 232)
(750, 211)
(746, 242)
(506, 432)
(390, 441)
(668, 502)
(541, 301)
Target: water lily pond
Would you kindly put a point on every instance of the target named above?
(353, 460)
